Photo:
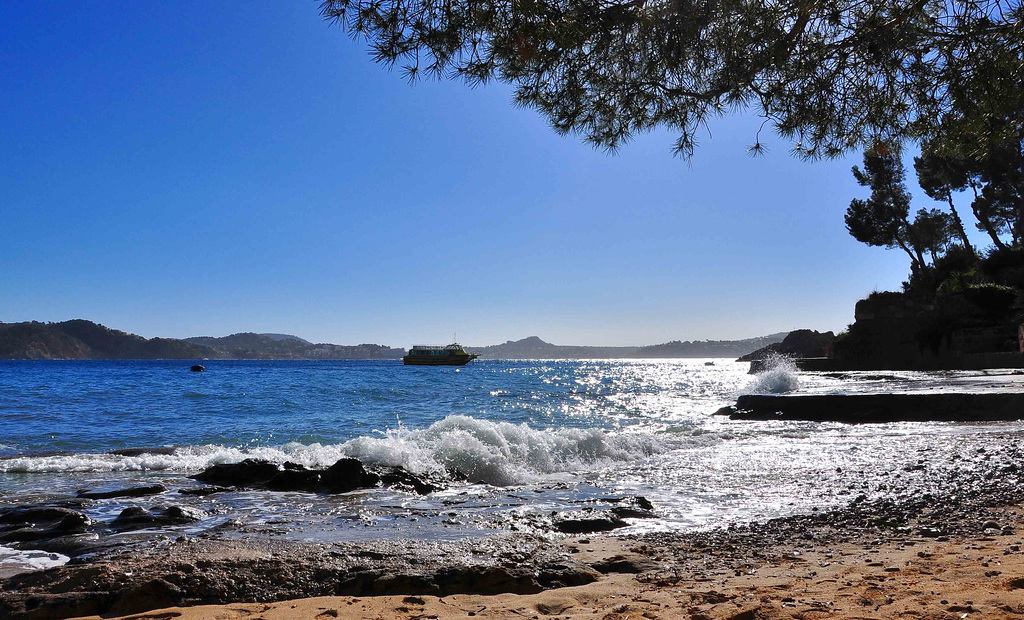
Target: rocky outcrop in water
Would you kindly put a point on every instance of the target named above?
(344, 476)
(137, 517)
(799, 343)
(879, 408)
(153, 489)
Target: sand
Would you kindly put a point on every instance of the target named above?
(962, 577)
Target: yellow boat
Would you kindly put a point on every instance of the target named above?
(426, 355)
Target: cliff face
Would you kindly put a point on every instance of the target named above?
(895, 331)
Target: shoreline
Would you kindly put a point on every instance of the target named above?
(965, 576)
(760, 569)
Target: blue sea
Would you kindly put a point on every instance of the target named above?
(531, 438)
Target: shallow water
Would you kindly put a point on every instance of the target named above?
(533, 437)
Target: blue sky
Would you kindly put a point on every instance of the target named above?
(190, 168)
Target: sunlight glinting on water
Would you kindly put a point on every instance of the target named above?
(527, 436)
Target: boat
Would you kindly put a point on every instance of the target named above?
(429, 355)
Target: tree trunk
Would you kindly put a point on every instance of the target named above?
(985, 223)
(914, 264)
(959, 225)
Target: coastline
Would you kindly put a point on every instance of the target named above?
(965, 576)
(905, 551)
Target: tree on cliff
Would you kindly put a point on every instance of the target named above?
(830, 75)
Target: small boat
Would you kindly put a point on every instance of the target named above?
(427, 355)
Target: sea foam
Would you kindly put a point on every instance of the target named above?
(780, 377)
(499, 453)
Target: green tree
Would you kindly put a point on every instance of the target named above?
(994, 173)
(977, 142)
(939, 177)
(881, 220)
(931, 231)
(829, 75)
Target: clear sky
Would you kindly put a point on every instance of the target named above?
(202, 168)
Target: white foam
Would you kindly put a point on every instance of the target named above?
(780, 377)
(14, 561)
(498, 453)
(501, 453)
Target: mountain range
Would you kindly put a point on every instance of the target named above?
(82, 339)
(535, 348)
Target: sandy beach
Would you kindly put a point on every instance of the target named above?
(956, 577)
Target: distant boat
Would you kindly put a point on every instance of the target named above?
(426, 355)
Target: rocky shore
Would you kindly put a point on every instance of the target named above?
(875, 408)
(714, 573)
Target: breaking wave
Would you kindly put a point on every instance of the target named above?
(499, 453)
(780, 377)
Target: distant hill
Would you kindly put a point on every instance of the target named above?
(535, 348)
(710, 348)
(81, 339)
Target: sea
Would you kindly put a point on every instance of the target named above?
(529, 440)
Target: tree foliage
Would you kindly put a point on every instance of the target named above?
(882, 219)
(830, 75)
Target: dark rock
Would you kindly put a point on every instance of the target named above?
(72, 545)
(799, 343)
(136, 516)
(292, 479)
(198, 368)
(632, 564)
(345, 475)
(601, 522)
(140, 451)
(204, 491)
(398, 477)
(41, 606)
(36, 514)
(880, 408)
(643, 502)
(348, 475)
(250, 472)
(153, 594)
(132, 492)
(629, 512)
(637, 507)
(30, 524)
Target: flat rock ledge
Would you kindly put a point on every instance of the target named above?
(876, 408)
(199, 572)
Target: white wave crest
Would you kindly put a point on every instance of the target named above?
(499, 453)
(780, 377)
